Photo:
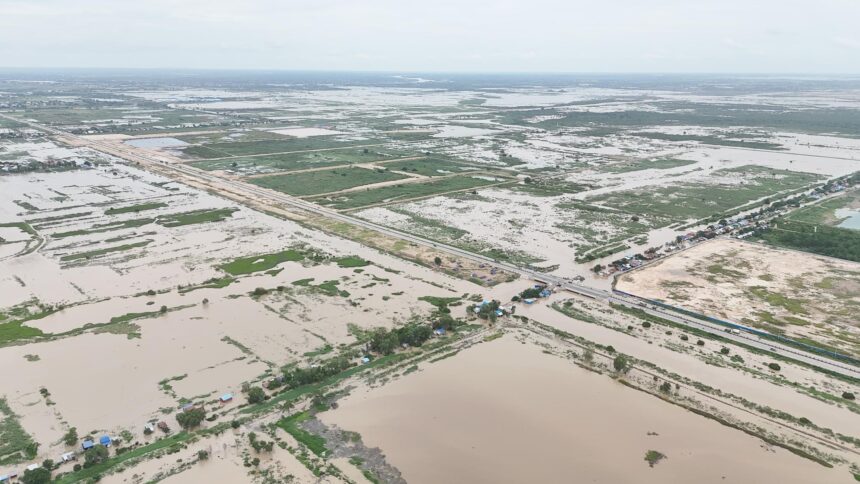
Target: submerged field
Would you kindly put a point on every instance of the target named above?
(146, 278)
(506, 412)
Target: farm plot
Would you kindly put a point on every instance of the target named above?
(722, 191)
(242, 148)
(430, 166)
(409, 191)
(325, 181)
(249, 165)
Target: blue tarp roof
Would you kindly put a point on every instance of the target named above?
(104, 440)
(87, 444)
(227, 396)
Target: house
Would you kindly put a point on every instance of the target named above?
(105, 440)
(439, 331)
(149, 427)
(529, 300)
(226, 397)
(87, 444)
(4, 478)
(68, 456)
(187, 407)
(163, 426)
(33, 467)
(365, 359)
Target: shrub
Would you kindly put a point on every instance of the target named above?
(36, 476)
(700, 343)
(773, 366)
(191, 417)
(620, 363)
(646, 324)
(71, 437)
(235, 424)
(437, 260)
(666, 387)
(684, 337)
(848, 395)
(202, 455)
(256, 395)
(724, 350)
(95, 455)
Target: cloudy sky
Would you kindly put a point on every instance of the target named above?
(737, 36)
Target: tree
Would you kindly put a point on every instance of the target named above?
(848, 395)
(36, 476)
(724, 350)
(71, 437)
(597, 268)
(620, 363)
(666, 387)
(773, 366)
(163, 309)
(191, 417)
(437, 260)
(256, 395)
(95, 455)
(634, 218)
(384, 342)
(48, 464)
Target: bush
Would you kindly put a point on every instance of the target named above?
(620, 363)
(36, 476)
(646, 324)
(71, 437)
(260, 291)
(684, 337)
(256, 395)
(202, 455)
(724, 350)
(437, 260)
(774, 366)
(848, 395)
(700, 343)
(666, 387)
(96, 455)
(191, 417)
(235, 424)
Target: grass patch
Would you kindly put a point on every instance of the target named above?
(351, 261)
(195, 217)
(100, 252)
(290, 424)
(257, 263)
(324, 181)
(135, 208)
(15, 444)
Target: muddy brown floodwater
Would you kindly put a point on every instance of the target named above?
(505, 412)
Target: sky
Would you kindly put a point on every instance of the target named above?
(607, 36)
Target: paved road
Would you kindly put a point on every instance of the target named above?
(132, 154)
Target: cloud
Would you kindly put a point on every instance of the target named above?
(442, 35)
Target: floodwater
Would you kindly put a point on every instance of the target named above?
(505, 412)
(851, 218)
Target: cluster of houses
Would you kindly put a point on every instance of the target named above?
(51, 164)
(740, 227)
(86, 445)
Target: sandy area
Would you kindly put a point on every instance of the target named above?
(796, 293)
